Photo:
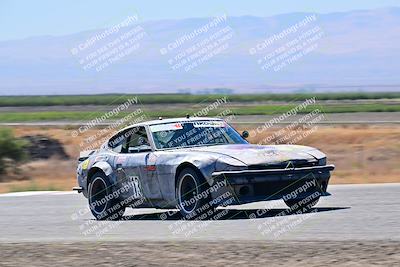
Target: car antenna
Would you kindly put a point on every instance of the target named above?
(187, 116)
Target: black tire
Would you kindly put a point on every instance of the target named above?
(296, 204)
(192, 196)
(101, 207)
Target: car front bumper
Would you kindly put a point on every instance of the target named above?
(269, 184)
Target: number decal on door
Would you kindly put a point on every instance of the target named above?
(134, 183)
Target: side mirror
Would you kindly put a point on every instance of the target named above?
(245, 134)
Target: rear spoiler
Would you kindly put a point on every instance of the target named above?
(84, 155)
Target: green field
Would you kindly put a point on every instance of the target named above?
(114, 99)
(237, 110)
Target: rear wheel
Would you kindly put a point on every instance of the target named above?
(192, 195)
(102, 203)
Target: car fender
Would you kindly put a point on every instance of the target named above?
(206, 166)
(104, 166)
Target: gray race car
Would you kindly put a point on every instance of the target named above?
(196, 165)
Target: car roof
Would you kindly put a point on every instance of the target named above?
(171, 120)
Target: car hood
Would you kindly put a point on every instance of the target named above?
(263, 154)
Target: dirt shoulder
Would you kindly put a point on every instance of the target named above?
(309, 253)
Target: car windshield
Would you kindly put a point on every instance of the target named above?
(196, 133)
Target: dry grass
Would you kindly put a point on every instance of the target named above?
(361, 153)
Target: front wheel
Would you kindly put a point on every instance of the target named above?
(103, 204)
(192, 195)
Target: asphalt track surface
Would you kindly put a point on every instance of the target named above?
(353, 212)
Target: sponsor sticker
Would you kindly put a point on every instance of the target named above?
(209, 124)
(85, 164)
(166, 127)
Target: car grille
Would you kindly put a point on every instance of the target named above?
(284, 165)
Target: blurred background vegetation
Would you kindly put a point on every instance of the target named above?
(12, 150)
(115, 99)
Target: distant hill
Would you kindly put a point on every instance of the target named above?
(357, 51)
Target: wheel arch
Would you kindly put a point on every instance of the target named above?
(91, 173)
(183, 166)
(103, 167)
(198, 169)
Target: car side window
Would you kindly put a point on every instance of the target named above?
(116, 142)
(137, 141)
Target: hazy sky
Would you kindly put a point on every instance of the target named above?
(21, 19)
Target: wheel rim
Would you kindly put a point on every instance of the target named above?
(187, 190)
(98, 192)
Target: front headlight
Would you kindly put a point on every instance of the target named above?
(316, 154)
(229, 164)
(322, 162)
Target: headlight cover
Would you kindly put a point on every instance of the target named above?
(226, 163)
(321, 157)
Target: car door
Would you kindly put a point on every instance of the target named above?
(135, 153)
